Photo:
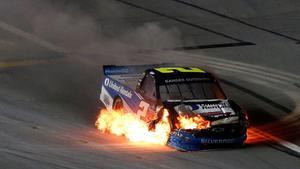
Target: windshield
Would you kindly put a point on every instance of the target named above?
(191, 90)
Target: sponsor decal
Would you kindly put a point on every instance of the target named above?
(118, 88)
(106, 100)
(174, 80)
(106, 82)
(116, 70)
(218, 129)
(195, 79)
(220, 109)
(178, 80)
(125, 92)
(218, 141)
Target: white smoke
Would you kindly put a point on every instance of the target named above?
(93, 27)
(95, 32)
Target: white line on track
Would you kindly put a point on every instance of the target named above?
(280, 141)
(21, 63)
(282, 79)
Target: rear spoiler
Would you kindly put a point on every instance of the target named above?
(129, 69)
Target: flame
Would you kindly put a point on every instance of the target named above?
(131, 126)
(195, 122)
(136, 130)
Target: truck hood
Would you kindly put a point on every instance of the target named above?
(216, 111)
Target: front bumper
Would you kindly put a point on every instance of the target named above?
(187, 141)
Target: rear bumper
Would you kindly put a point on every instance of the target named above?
(185, 141)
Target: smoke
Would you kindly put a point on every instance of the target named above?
(65, 31)
(152, 36)
(95, 32)
(91, 27)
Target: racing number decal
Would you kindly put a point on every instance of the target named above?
(143, 108)
(180, 69)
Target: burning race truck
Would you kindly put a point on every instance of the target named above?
(183, 107)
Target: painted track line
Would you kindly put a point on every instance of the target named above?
(21, 63)
(261, 69)
(244, 70)
(220, 45)
(293, 147)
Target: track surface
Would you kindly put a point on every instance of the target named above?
(51, 53)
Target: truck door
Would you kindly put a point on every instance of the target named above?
(148, 92)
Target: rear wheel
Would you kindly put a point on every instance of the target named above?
(118, 104)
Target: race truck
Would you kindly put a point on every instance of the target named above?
(146, 90)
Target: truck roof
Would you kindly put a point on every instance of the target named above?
(179, 74)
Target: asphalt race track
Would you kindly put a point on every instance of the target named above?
(51, 54)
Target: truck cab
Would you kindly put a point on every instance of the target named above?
(165, 87)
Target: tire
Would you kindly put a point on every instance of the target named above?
(118, 104)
